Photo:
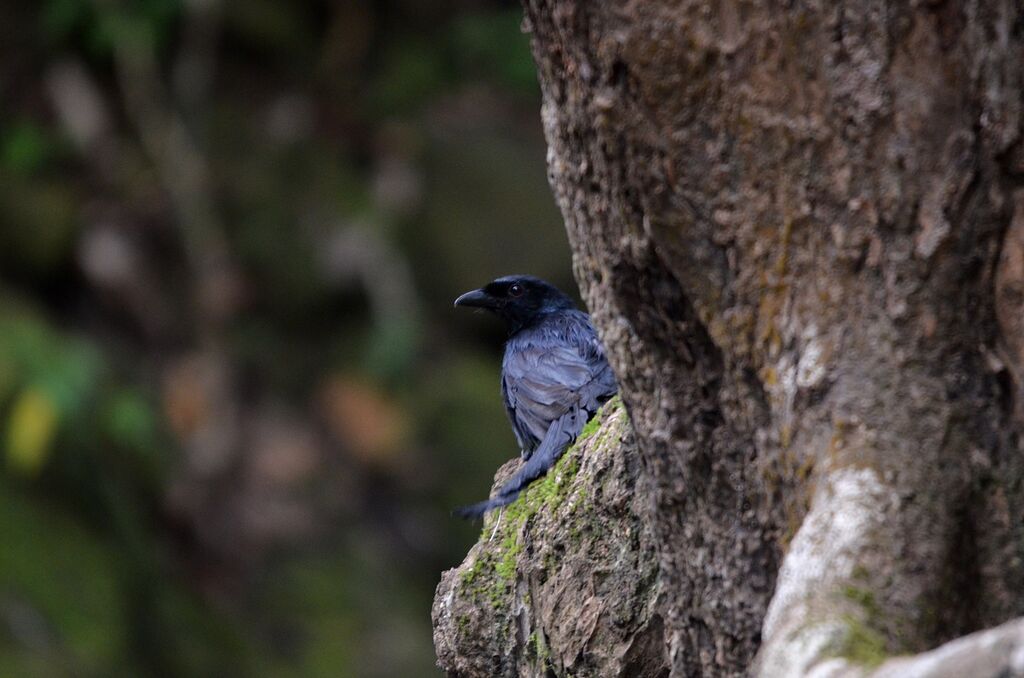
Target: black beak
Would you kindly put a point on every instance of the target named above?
(477, 298)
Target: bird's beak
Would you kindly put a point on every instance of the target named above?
(477, 298)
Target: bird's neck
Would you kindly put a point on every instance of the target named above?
(518, 324)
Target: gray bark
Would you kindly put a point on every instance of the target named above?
(800, 230)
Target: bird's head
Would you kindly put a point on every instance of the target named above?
(518, 299)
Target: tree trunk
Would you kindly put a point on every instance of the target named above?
(800, 231)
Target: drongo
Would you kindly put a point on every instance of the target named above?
(554, 376)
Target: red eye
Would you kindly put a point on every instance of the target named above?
(516, 290)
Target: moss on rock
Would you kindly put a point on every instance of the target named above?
(563, 580)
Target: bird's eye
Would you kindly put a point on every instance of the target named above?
(516, 290)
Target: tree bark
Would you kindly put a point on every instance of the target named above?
(799, 228)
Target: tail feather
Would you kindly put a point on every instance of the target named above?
(561, 433)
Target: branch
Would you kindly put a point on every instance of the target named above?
(997, 652)
(824, 619)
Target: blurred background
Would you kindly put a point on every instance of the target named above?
(236, 404)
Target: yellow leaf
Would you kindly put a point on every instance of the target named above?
(30, 431)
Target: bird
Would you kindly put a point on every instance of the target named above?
(554, 375)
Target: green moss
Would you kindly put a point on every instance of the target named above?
(462, 623)
(549, 560)
(581, 503)
(594, 425)
(469, 575)
(543, 653)
(492, 574)
(862, 644)
(863, 597)
(506, 567)
(536, 646)
(497, 594)
(478, 581)
(590, 428)
(860, 573)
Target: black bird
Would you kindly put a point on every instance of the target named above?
(554, 376)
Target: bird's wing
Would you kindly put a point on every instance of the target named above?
(527, 441)
(544, 381)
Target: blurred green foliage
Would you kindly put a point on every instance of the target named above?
(237, 458)
(27, 148)
(100, 26)
(491, 45)
(37, 225)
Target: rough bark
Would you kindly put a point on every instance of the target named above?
(564, 581)
(799, 230)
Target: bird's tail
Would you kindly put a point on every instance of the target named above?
(561, 433)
